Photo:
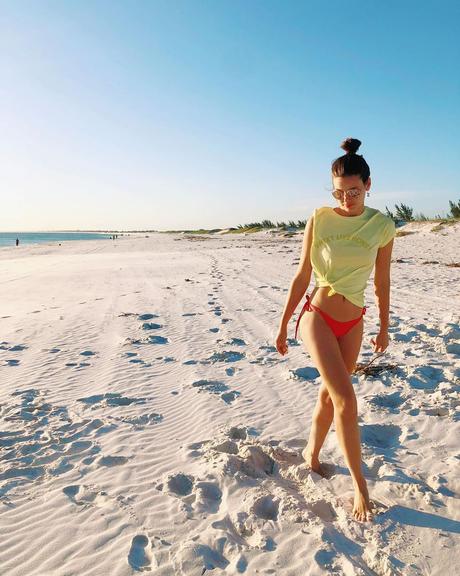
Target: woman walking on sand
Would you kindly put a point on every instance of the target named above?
(341, 246)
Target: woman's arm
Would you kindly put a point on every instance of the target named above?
(301, 280)
(382, 290)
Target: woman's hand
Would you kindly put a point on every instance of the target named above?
(381, 341)
(281, 338)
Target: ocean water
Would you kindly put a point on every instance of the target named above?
(9, 238)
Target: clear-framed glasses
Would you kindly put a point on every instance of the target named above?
(352, 193)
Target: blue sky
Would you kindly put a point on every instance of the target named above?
(186, 114)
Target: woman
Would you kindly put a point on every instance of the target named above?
(341, 246)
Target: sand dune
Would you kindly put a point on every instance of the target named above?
(149, 425)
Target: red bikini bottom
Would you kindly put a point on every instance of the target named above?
(338, 328)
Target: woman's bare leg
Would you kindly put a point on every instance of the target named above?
(323, 416)
(350, 345)
(326, 353)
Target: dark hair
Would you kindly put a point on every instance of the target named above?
(351, 164)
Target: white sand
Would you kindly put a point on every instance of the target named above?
(122, 455)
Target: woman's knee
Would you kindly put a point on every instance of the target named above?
(324, 396)
(345, 404)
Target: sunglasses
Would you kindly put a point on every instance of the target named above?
(352, 193)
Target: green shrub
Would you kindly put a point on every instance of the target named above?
(455, 209)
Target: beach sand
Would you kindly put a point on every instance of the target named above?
(148, 424)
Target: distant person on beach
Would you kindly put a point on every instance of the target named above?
(17, 241)
(341, 245)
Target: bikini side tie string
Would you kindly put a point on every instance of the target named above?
(305, 307)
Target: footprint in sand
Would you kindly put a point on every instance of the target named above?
(306, 373)
(390, 402)
(428, 330)
(208, 497)
(81, 446)
(179, 484)
(140, 554)
(246, 458)
(132, 358)
(229, 397)
(157, 340)
(325, 558)
(226, 356)
(384, 437)
(236, 342)
(11, 362)
(203, 496)
(425, 377)
(17, 348)
(147, 316)
(264, 360)
(84, 495)
(451, 338)
(217, 387)
(286, 456)
(437, 411)
(411, 336)
(143, 420)
(62, 467)
(110, 461)
(110, 399)
(324, 510)
(453, 348)
(268, 348)
(193, 450)
(265, 507)
(151, 326)
(195, 558)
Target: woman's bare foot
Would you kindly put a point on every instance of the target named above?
(314, 463)
(362, 506)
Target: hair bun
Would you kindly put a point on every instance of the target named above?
(350, 145)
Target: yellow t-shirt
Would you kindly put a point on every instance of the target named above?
(344, 249)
